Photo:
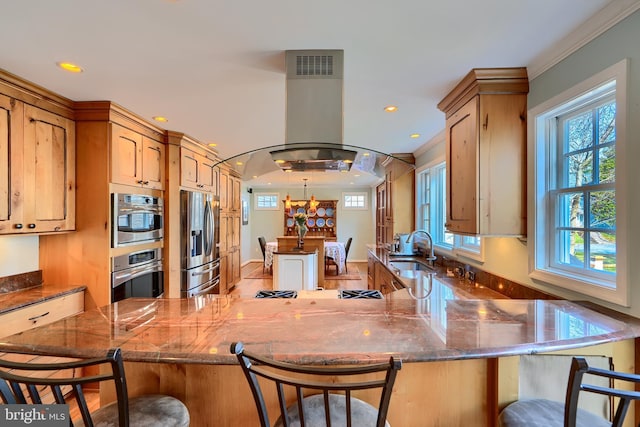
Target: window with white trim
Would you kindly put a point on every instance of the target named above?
(267, 201)
(431, 214)
(354, 200)
(577, 229)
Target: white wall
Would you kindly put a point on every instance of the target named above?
(18, 254)
(358, 224)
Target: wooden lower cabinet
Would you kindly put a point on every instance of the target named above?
(453, 393)
(36, 315)
(384, 281)
(42, 313)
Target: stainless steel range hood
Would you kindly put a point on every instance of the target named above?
(314, 112)
(314, 137)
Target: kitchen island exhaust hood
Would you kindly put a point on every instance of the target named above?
(314, 112)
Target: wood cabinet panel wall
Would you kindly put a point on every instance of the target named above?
(486, 153)
(37, 169)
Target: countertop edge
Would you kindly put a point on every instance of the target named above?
(41, 298)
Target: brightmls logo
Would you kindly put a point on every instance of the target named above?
(34, 415)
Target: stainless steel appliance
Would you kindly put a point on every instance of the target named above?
(136, 218)
(200, 240)
(137, 274)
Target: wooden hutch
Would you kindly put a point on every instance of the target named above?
(321, 223)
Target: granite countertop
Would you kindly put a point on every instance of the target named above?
(17, 299)
(326, 330)
(419, 281)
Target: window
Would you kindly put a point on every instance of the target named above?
(267, 201)
(354, 200)
(431, 215)
(578, 136)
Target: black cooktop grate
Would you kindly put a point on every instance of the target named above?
(276, 294)
(360, 294)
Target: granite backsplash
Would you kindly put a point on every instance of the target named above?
(19, 282)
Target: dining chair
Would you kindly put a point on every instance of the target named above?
(330, 261)
(315, 396)
(263, 248)
(28, 383)
(549, 413)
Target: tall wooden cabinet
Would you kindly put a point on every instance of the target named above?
(486, 152)
(395, 203)
(103, 131)
(230, 224)
(37, 167)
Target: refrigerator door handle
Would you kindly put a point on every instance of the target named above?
(208, 228)
(206, 270)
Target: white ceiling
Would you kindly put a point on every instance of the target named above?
(216, 68)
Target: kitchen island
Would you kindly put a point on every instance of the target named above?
(449, 346)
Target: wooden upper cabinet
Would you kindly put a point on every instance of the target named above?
(225, 197)
(136, 159)
(198, 172)
(37, 164)
(236, 186)
(461, 158)
(7, 130)
(486, 153)
(395, 198)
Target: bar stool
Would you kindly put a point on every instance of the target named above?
(548, 413)
(315, 402)
(28, 383)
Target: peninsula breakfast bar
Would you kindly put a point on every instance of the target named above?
(450, 344)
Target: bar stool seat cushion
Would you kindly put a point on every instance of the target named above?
(144, 411)
(544, 413)
(362, 413)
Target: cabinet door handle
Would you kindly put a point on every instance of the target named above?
(19, 226)
(31, 226)
(34, 319)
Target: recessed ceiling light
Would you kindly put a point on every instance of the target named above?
(391, 108)
(279, 161)
(71, 67)
(239, 163)
(212, 144)
(415, 135)
(160, 119)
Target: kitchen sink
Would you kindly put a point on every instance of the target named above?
(413, 265)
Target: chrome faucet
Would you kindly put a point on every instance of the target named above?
(431, 257)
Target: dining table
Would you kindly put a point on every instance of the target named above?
(334, 250)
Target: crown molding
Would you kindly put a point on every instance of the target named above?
(437, 138)
(607, 17)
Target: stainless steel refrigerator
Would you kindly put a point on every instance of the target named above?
(199, 243)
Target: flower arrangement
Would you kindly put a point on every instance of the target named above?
(300, 218)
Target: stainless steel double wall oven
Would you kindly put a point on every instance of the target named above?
(136, 219)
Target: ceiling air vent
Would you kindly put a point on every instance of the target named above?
(314, 65)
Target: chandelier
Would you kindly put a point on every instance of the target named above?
(313, 203)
